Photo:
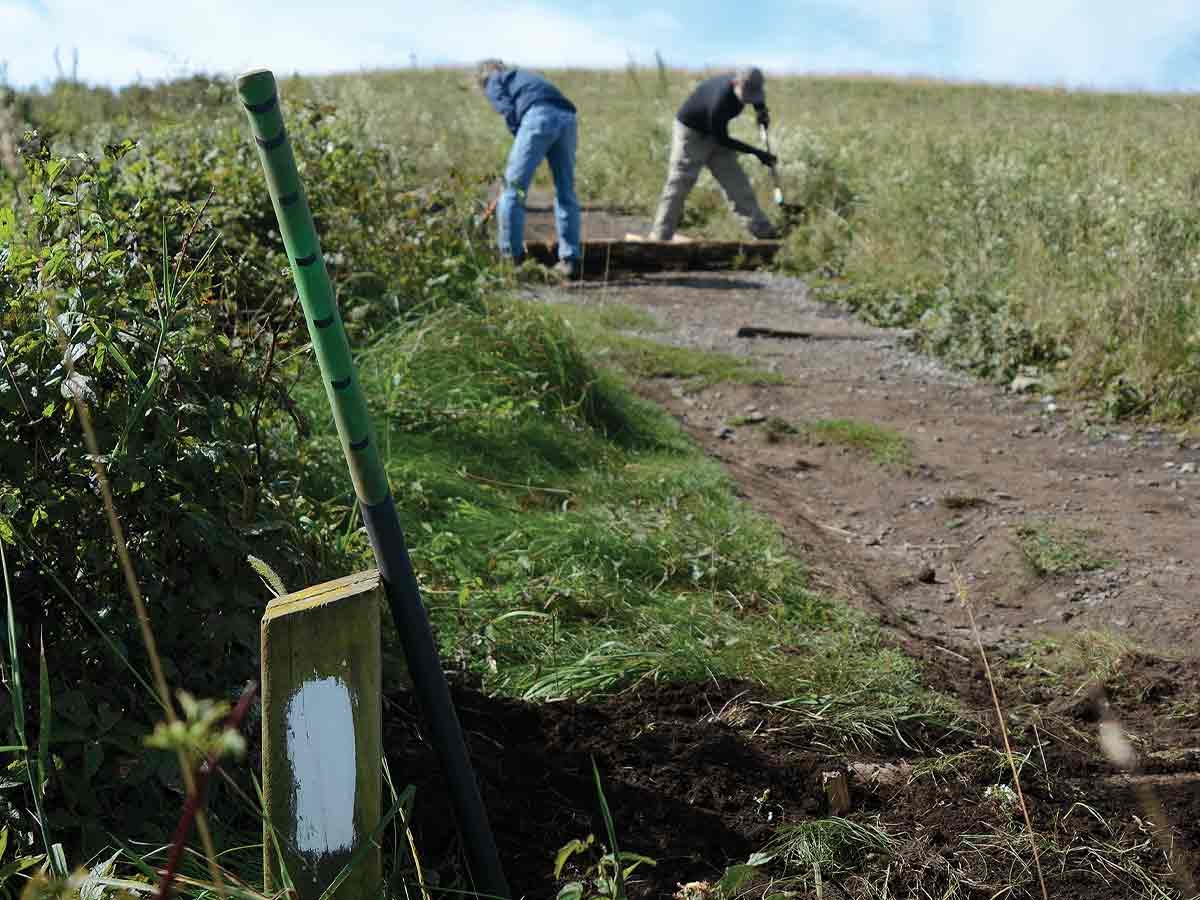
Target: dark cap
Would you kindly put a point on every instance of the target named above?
(751, 80)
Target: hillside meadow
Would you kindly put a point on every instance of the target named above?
(573, 544)
(1012, 227)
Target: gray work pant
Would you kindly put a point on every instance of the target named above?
(691, 151)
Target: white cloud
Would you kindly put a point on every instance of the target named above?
(1078, 42)
(153, 39)
(1094, 43)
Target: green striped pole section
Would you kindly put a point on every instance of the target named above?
(260, 97)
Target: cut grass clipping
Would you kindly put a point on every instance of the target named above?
(599, 331)
(571, 542)
(1055, 549)
(1086, 657)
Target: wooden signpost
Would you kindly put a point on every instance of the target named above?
(322, 737)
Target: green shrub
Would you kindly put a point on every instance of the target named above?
(161, 262)
(176, 406)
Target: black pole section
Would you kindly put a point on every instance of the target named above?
(408, 612)
(259, 95)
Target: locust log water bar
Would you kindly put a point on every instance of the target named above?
(613, 255)
(259, 95)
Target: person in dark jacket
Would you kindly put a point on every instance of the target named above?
(701, 138)
(543, 124)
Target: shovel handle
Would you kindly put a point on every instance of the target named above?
(762, 130)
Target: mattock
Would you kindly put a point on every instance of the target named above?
(762, 130)
(791, 211)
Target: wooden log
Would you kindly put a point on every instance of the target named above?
(322, 736)
(755, 331)
(752, 331)
(609, 255)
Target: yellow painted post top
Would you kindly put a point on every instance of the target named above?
(320, 594)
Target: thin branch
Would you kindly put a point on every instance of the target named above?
(131, 582)
(193, 806)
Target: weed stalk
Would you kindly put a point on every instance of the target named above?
(960, 589)
(131, 582)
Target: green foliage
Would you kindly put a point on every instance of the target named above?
(199, 735)
(608, 871)
(172, 400)
(13, 866)
(159, 261)
(1054, 549)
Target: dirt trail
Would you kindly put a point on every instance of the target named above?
(985, 464)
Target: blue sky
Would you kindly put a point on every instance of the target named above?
(1102, 44)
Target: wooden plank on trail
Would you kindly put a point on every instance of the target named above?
(625, 255)
(322, 736)
(756, 331)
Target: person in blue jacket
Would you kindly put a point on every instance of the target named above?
(543, 125)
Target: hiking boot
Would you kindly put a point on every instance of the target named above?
(567, 269)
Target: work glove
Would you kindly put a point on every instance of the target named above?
(764, 117)
(767, 159)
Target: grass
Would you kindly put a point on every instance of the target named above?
(1012, 228)
(1055, 549)
(885, 446)
(609, 316)
(572, 542)
(834, 845)
(600, 336)
(1086, 657)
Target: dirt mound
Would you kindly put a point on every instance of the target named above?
(685, 787)
(697, 784)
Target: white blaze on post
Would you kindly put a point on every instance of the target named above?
(320, 725)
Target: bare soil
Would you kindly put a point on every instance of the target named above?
(698, 776)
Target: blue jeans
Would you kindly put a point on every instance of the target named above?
(548, 133)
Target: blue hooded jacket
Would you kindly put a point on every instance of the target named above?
(512, 92)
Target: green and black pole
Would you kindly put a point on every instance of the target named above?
(259, 95)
